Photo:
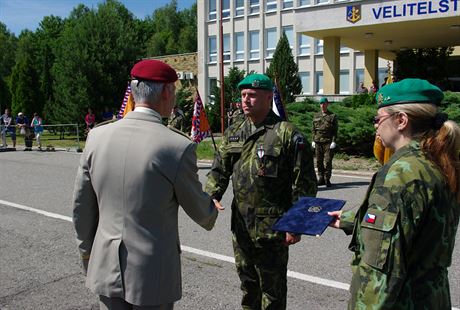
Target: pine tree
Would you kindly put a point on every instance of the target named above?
(284, 71)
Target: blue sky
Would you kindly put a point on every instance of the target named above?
(27, 14)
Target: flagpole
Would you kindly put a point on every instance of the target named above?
(210, 130)
(221, 51)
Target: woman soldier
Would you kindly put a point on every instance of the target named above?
(404, 232)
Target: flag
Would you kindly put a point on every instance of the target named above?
(200, 124)
(128, 103)
(277, 106)
(370, 218)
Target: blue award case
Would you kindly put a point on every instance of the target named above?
(308, 216)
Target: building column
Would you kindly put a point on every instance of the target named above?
(370, 67)
(331, 65)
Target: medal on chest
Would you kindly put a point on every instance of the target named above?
(260, 154)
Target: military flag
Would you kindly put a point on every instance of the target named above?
(277, 106)
(200, 123)
(128, 103)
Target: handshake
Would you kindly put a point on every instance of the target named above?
(332, 146)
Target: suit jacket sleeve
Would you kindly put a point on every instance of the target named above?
(189, 192)
(85, 209)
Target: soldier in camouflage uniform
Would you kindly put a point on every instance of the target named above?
(404, 232)
(270, 168)
(177, 119)
(236, 114)
(324, 133)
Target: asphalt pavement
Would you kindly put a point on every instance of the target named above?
(40, 266)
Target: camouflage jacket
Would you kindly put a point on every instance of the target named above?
(325, 127)
(177, 121)
(270, 168)
(403, 236)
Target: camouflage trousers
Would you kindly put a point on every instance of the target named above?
(324, 156)
(262, 269)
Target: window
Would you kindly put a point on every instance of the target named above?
(271, 40)
(271, 6)
(344, 82)
(287, 4)
(227, 53)
(254, 44)
(212, 85)
(344, 49)
(305, 79)
(319, 46)
(225, 8)
(304, 2)
(289, 31)
(254, 6)
(322, 1)
(239, 45)
(319, 82)
(212, 49)
(304, 44)
(239, 7)
(359, 77)
(212, 10)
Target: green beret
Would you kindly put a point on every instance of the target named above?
(408, 91)
(323, 100)
(256, 81)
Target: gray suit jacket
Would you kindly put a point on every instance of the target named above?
(133, 175)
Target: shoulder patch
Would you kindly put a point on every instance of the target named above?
(179, 132)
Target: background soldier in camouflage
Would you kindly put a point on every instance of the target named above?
(404, 232)
(236, 114)
(324, 133)
(177, 120)
(270, 168)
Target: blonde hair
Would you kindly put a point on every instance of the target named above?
(440, 142)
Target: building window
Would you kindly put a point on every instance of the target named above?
(254, 44)
(305, 79)
(212, 10)
(254, 6)
(319, 82)
(304, 44)
(227, 52)
(271, 39)
(287, 4)
(319, 47)
(225, 8)
(239, 45)
(212, 85)
(239, 7)
(359, 77)
(212, 49)
(344, 82)
(304, 2)
(322, 1)
(344, 49)
(289, 31)
(271, 6)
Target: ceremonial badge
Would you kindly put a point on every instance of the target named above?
(260, 151)
(314, 209)
(255, 83)
(260, 154)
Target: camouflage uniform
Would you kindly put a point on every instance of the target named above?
(235, 116)
(403, 236)
(270, 168)
(177, 121)
(324, 133)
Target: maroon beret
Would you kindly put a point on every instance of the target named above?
(154, 70)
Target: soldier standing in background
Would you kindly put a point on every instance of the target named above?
(324, 132)
(236, 114)
(270, 168)
(176, 119)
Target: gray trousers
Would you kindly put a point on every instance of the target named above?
(113, 303)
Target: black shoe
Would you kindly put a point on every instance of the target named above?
(328, 183)
(321, 181)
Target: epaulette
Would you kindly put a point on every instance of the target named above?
(179, 132)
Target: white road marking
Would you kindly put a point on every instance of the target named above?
(229, 259)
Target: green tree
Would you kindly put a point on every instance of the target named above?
(8, 43)
(425, 63)
(285, 71)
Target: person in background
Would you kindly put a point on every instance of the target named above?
(373, 88)
(403, 234)
(90, 120)
(177, 119)
(362, 89)
(37, 125)
(270, 168)
(22, 122)
(325, 127)
(8, 128)
(107, 115)
(126, 198)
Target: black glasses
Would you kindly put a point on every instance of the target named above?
(380, 119)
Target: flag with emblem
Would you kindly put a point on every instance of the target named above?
(128, 103)
(370, 218)
(200, 123)
(277, 106)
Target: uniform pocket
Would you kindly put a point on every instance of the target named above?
(376, 233)
(271, 163)
(265, 218)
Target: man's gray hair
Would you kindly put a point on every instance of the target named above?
(146, 91)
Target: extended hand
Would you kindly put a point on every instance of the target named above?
(336, 218)
(291, 239)
(218, 205)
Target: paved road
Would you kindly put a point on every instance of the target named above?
(40, 269)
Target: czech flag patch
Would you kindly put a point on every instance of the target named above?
(370, 218)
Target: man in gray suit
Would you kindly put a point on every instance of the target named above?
(133, 175)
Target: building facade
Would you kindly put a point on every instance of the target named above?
(336, 43)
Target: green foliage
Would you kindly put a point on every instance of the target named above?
(424, 63)
(359, 100)
(285, 71)
(451, 106)
(8, 43)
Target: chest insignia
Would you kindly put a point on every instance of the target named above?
(370, 218)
